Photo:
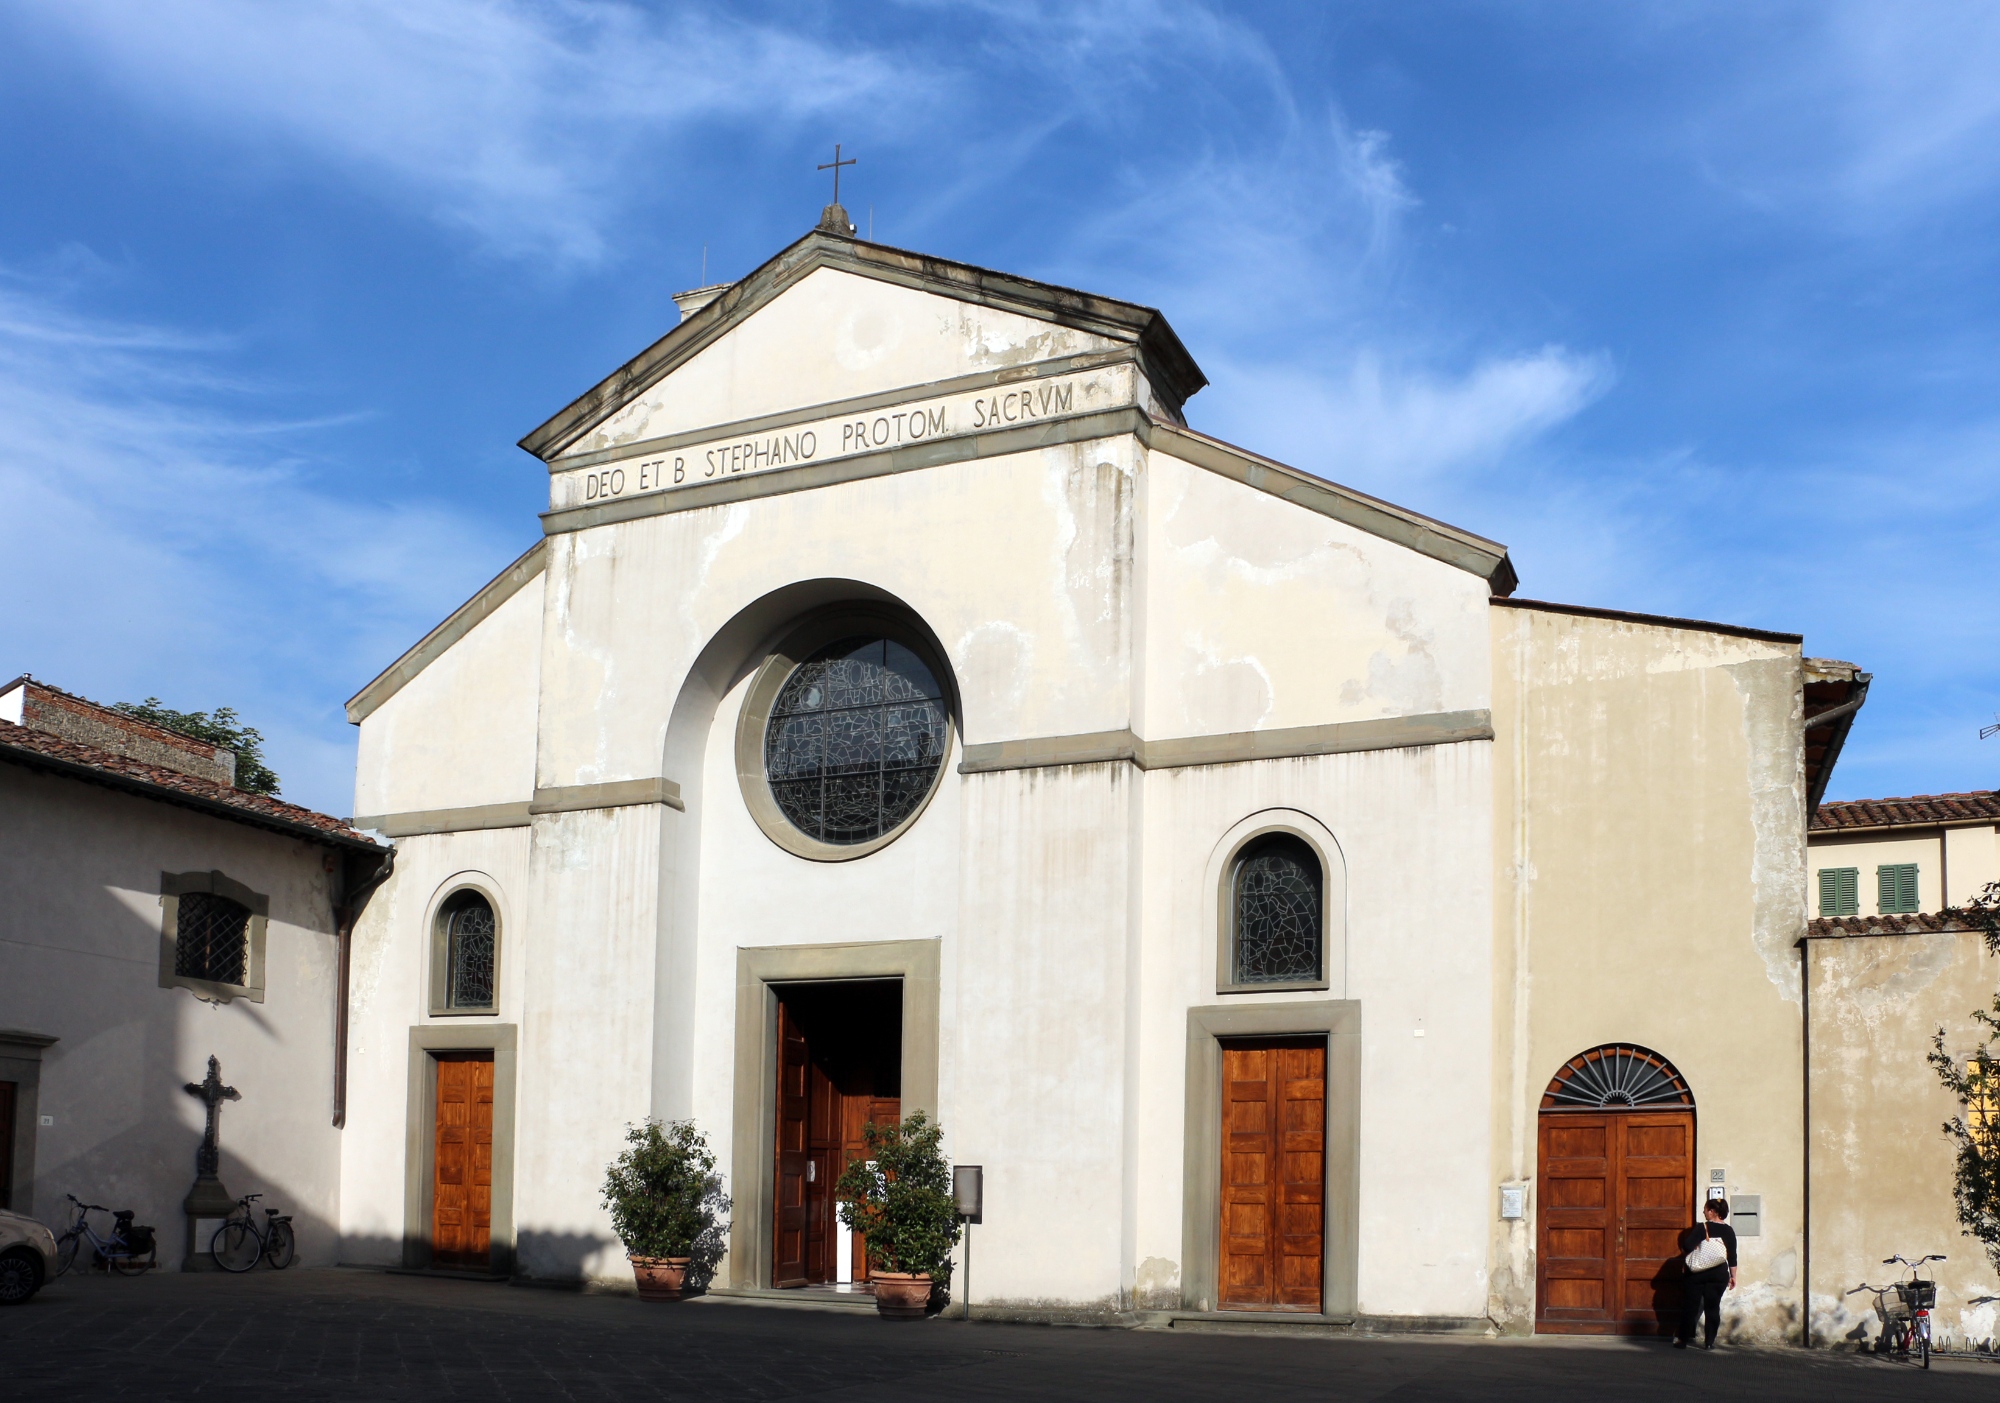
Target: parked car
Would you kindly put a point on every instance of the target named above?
(27, 1257)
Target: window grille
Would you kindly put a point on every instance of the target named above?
(1276, 905)
(855, 740)
(469, 930)
(212, 939)
(1839, 891)
(1896, 887)
(1616, 1077)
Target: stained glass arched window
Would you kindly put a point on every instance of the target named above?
(1277, 907)
(855, 740)
(469, 931)
(1616, 1077)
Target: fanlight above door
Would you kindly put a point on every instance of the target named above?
(1617, 1077)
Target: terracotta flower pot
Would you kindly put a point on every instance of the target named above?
(901, 1295)
(660, 1278)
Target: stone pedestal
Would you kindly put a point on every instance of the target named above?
(206, 1205)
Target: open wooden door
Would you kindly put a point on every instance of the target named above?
(789, 1231)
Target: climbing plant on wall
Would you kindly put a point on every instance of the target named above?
(1976, 1083)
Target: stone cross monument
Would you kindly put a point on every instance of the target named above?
(208, 1198)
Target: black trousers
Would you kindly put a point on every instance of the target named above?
(1701, 1296)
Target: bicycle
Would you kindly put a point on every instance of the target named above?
(1906, 1320)
(129, 1251)
(239, 1244)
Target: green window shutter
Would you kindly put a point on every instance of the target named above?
(1839, 891)
(1896, 887)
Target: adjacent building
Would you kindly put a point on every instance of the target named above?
(1890, 966)
(153, 915)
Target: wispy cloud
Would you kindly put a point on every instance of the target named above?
(175, 540)
(1859, 113)
(527, 122)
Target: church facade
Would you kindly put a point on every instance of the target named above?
(905, 709)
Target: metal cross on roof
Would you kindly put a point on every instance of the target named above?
(834, 165)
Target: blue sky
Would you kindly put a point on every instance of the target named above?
(1694, 306)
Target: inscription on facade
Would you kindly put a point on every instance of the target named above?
(844, 436)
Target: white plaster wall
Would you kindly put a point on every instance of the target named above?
(1413, 827)
(80, 957)
(1260, 614)
(1020, 564)
(1035, 1010)
(835, 336)
(390, 984)
(461, 732)
(587, 1029)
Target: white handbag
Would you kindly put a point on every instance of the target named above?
(1709, 1253)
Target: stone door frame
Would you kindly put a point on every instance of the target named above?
(1339, 1022)
(754, 1107)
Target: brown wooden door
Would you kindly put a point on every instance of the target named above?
(789, 1236)
(857, 1111)
(462, 1180)
(1273, 1174)
(1615, 1191)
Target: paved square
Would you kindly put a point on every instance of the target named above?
(343, 1334)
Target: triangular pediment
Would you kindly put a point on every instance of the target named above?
(831, 319)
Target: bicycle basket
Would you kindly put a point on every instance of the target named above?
(1918, 1295)
(1890, 1306)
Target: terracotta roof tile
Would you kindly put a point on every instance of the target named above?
(1916, 923)
(1918, 810)
(24, 746)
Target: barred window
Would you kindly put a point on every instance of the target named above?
(469, 931)
(1276, 907)
(212, 939)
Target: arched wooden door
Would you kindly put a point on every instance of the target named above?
(1614, 1190)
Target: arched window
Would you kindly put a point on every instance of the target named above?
(1277, 907)
(856, 738)
(467, 940)
(1616, 1077)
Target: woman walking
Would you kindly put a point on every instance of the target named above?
(1711, 1269)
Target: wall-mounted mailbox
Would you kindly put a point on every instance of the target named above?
(1746, 1214)
(1513, 1202)
(968, 1190)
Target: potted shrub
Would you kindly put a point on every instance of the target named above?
(898, 1197)
(667, 1205)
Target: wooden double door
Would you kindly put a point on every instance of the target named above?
(1616, 1190)
(462, 1161)
(838, 1071)
(1273, 1229)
